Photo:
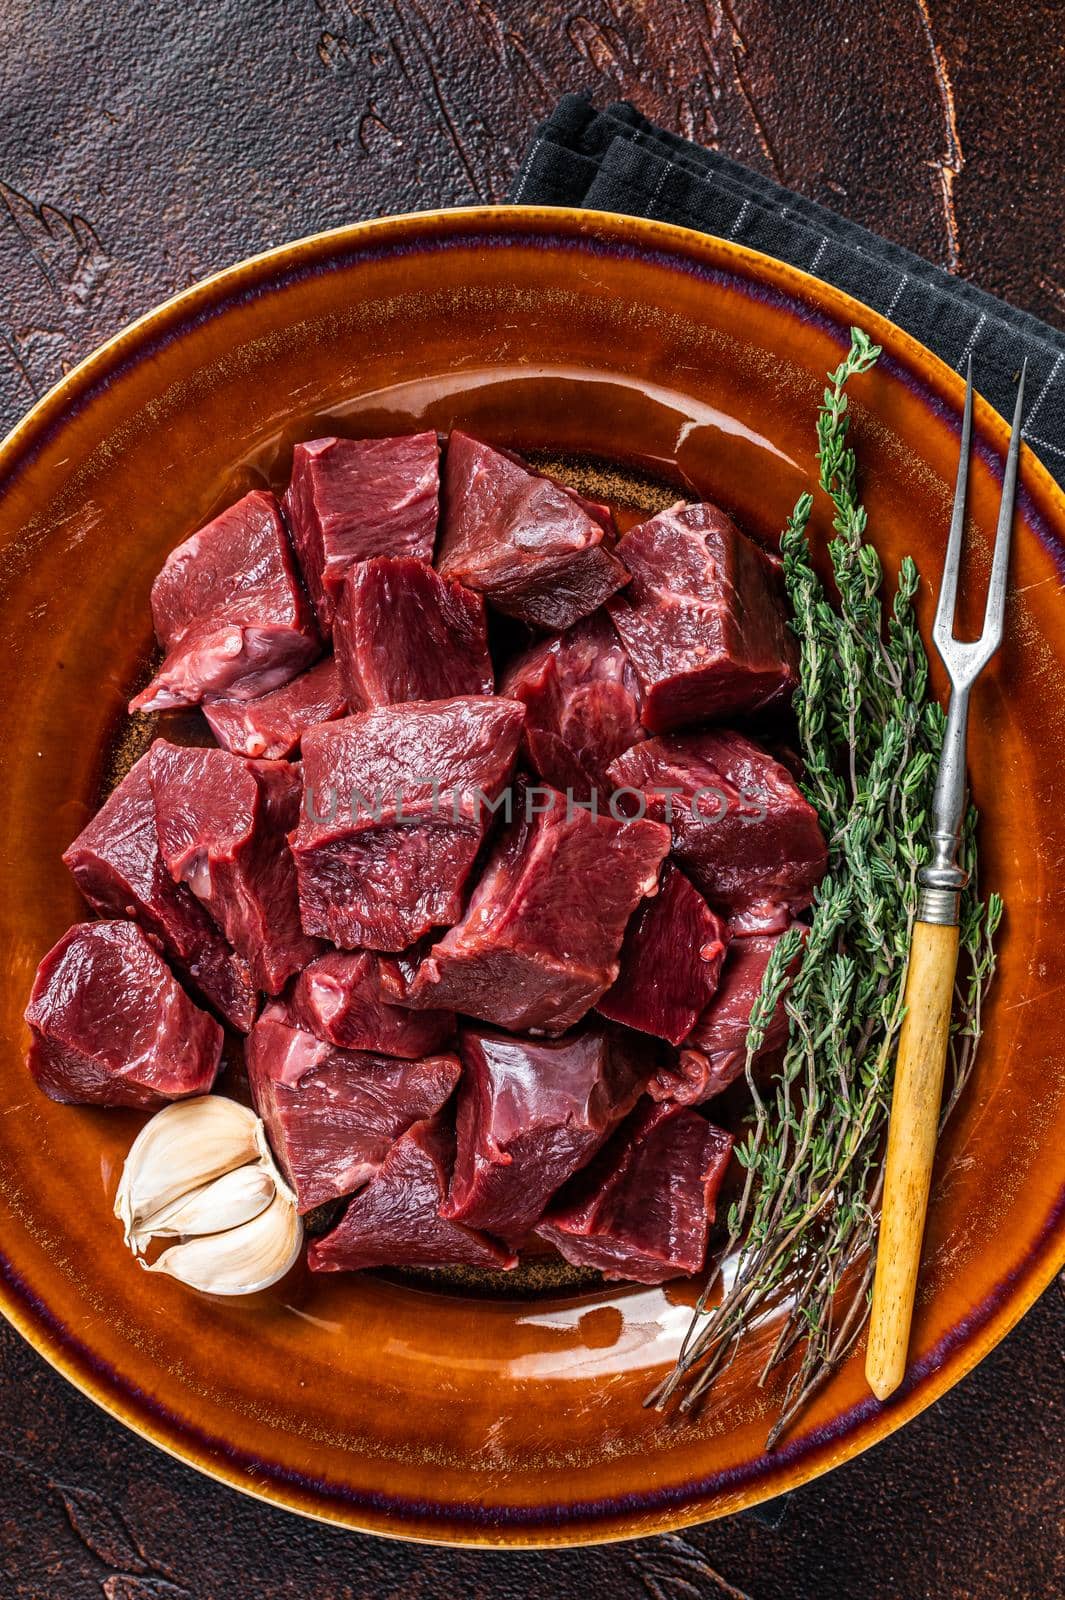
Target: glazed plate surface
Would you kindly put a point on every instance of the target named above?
(650, 357)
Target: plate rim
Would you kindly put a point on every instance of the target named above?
(968, 1341)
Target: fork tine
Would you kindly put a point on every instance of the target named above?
(995, 606)
(943, 627)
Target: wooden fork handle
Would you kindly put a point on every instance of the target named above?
(912, 1131)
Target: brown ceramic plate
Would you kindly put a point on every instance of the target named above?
(646, 355)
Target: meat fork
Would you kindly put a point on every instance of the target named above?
(933, 962)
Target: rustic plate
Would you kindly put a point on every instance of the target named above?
(655, 353)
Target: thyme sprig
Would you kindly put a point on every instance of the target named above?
(805, 1223)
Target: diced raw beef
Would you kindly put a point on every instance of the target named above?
(271, 727)
(715, 1053)
(396, 802)
(339, 997)
(670, 962)
(228, 659)
(528, 545)
(643, 1209)
(112, 1027)
(395, 1220)
(741, 829)
(230, 611)
(596, 509)
(117, 866)
(349, 499)
(703, 619)
(222, 822)
(582, 704)
(401, 632)
(539, 942)
(397, 971)
(332, 1115)
(530, 1112)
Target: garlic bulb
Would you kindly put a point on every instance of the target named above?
(201, 1172)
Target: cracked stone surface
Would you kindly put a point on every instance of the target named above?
(142, 146)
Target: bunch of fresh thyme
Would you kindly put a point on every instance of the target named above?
(814, 1149)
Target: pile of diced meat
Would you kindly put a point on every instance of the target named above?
(488, 900)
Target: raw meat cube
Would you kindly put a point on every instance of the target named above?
(349, 499)
(227, 659)
(396, 802)
(670, 962)
(222, 823)
(241, 559)
(230, 611)
(339, 997)
(529, 546)
(401, 632)
(117, 866)
(643, 1209)
(703, 619)
(397, 972)
(539, 942)
(333, 1115)
(715, 1052)
(596, 509)
(530, 1112)
(112, 1027)
(582, 704)
(271, 727)
(742, 831)
(395, 1220)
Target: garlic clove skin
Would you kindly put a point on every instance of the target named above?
(226, 1202)
(266, 1156)
(241, 1260)
(184, 1146)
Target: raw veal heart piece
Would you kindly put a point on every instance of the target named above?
(339, 997)
(670, 962)
(742, 831)
(222, 822)
(333, 1115)
(401, 632)
(582, 704)
(643, 1209)
(715, 1052)
(539, 942)
(396, 802)
(530, 1112)
(530, 547)
(395, 1220)
(349, 499)
(230, 611)
(270, 727)
(116, 864)
(703, 619)
(111, 1025)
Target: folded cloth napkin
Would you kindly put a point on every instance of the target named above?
(615, 160)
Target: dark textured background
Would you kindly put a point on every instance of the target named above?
(144, 143)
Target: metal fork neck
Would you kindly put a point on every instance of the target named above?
(942, 879)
